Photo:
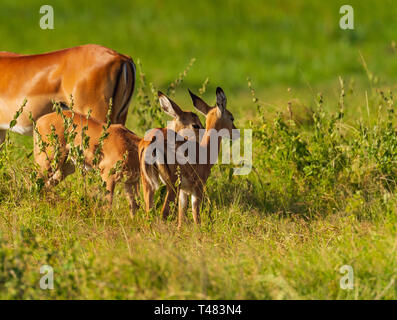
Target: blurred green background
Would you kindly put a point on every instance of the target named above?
(277, 43)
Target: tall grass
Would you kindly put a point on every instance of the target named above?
(333, 163)
(322, 192)
(321, 195)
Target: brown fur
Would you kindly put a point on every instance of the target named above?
(115, 146)
(150, 174)
(92, 74)
(119, 141)
(193, 176)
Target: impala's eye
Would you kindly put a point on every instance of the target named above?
(232, 118)
(196, 126)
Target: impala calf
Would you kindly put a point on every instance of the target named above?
(184, 122)
(194, 174)
(120, 146)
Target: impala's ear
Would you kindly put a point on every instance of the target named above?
(199, 104)
(169, 106)
(221, 99)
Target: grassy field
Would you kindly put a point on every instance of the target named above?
(322, 192)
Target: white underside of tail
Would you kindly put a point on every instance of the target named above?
(152, 178)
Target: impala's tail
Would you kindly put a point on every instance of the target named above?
(144, 167)
(123, 90)
(149, 172)
(156, 169)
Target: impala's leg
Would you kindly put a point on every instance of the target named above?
(67, 169)
(148, 194)
(43, 163)
(183, 203)
(44, 167)
(2, 136)
(170, 197)
(132, 189)
(110, 184)
(64, 169)
(196, 203)
(136, 195)
(54, 179)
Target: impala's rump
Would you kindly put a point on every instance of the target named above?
(92, 74)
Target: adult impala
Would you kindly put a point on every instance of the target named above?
(91, 73)
(194, 174)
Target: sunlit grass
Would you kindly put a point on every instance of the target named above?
(281, 232)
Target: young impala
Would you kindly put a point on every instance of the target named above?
(193, 175)
(184, 121)
(120, 146)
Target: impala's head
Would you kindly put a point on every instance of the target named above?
(217, 117)
(182, 120)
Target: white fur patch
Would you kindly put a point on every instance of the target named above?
(28, 130)
(194, 199)
(162, 180)
(183, 199)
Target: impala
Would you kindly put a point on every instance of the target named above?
(183, 121)
(193, 175)
(92, 74)
(119, 147)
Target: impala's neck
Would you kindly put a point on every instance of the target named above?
(210, 141)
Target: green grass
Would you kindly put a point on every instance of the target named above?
(277, 42)
(322, 193)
